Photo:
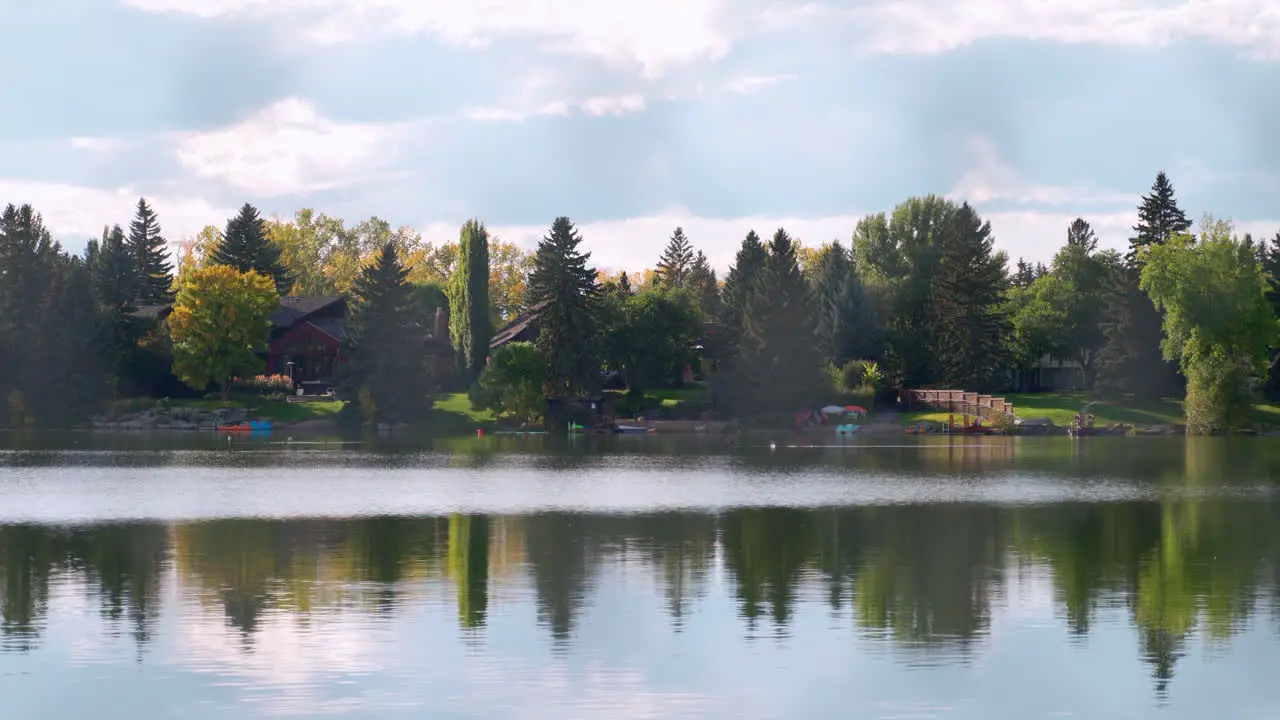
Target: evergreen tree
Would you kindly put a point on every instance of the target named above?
(1159, 218)
(704, 286)
(1024, 274)
(385, 375)
(245, 246)
(676, 261)
(744, 273)
(847, 324)
(50, 328)
(115, 281)
(781, 368)
(971, 325)
(150, 257)
(624, 284)
(470, 318)
(1269, 261)
(1131, 360)
(1080, 234)
(563, 288)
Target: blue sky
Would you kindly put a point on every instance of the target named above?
(631, 118)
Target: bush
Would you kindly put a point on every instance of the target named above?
(263, 385)
(511, 384)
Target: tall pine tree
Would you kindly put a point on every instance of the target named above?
(971, 326)
(746, 269)
(115, 280)
(1131, 360)
(704, 286)
(846, 323)
(781, 369)
(563, 288)
(385, 374)
(676, 261)
(470, 317)
(245, 246)
(150, 257)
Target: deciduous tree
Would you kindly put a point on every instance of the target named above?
(219, 323)
(1217, 321)
(470, 318)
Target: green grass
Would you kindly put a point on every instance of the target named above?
(671, 397)
(1062, 407)
(453, 415)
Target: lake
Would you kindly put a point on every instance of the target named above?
(639, 577)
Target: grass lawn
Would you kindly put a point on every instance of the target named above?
(1062, 407)
(671, 397)
(453, 414)
(277, 411)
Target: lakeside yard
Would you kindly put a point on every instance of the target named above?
(1061, 408)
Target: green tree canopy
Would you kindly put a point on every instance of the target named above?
(386, 372)
(219, 323)
(245, 246)
(153, 271)
(471, 318)
(676, 261)
(1217, 321)
(563, 287)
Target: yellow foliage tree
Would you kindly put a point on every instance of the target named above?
(219, 322)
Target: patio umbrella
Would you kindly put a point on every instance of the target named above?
(855, 409)
(833, 410)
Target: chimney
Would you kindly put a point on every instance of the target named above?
(440, 330)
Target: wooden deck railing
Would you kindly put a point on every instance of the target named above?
(960, 402)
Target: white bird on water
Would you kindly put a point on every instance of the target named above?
(773, 446)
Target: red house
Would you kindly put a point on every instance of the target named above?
(307, 333)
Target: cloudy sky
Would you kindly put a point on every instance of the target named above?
(633, 117)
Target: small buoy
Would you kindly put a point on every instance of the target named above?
(479, 432)
(773, 446)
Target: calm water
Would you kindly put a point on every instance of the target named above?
(640, 577)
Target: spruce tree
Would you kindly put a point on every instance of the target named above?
(846, 324)
(1023, 275)
(1080, 234)
(704, 286)
(1159, 218)
(563, 288)
(150, 257)
(115, 279)
(969, 318)
(245, 246)
(782, 369)
(676, 260)
(470, 319)
(1131, 361)
(747, 265)
(385, 374)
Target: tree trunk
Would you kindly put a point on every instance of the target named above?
(226, 390)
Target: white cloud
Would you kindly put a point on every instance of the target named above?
(934, 26)
(756, 83)
(613, 105)
(97, 144)
(990, 179)
(634, 244)
(288, 149)
(601, 106)
(74, 213)
(655, 36)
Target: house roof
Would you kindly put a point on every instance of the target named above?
(518, 325)
(335, 328)
(294, 308)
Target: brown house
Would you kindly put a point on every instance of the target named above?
(307, 334)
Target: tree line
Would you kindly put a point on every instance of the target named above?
(919, 297)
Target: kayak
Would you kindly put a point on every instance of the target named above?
(251, 426)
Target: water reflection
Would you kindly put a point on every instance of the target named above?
(926, 580)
